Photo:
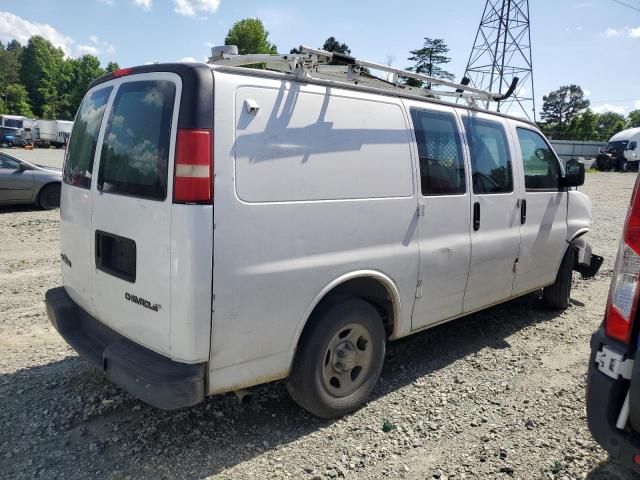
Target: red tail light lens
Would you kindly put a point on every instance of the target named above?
(623, 295)
(193, 177)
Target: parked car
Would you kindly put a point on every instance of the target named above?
(613, 382)
(224, 227)
(27, 183)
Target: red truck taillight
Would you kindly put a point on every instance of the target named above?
(193, 174)
(623, 295)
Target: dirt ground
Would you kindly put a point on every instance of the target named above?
(498, 394)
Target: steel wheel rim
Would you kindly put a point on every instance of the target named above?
(347, 360)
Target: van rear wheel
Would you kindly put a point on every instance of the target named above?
(339, 358)
(558, 295)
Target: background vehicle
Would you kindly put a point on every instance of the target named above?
(24, 183)
(13, 121)
(345, 216)
(621, 153)
(52, 132)
(10, 137)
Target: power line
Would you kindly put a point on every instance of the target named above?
(627, 5)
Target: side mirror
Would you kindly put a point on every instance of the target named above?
(574, 174)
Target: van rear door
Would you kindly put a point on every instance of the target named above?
(131, 222)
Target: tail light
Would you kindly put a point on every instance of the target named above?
(623, 295)
(193, 177)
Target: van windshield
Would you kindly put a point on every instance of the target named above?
(135, 151)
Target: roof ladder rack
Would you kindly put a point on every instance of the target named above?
(324, 65)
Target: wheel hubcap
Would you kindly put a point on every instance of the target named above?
(347, 360)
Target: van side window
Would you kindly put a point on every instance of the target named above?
(440, 152)
(541, 169)
(135, 152)
(78, 165)
(633, 145)
(490, 158)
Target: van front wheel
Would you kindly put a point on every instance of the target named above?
(558, 295)
(339, 358)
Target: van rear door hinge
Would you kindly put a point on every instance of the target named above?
(419, 289)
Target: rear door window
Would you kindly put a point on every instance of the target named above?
(441, 161)
(135, 151)
(78, 166)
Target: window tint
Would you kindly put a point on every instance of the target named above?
(441, 161)
(135, 152)
(540, 164)
(490, 158)
(78, 165)
(8, 163)
(633, 145)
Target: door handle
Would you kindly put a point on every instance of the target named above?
(476, 216)
(523, 211)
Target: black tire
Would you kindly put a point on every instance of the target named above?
(317, 354)
(624, 166)
(558, 295)
(49, 196)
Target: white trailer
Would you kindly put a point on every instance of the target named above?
(53, 132)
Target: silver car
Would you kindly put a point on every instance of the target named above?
(26, 183)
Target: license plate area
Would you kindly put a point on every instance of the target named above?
(116, 255)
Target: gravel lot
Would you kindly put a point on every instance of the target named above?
(499, 394)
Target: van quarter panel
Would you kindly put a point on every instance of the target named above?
(349, 153)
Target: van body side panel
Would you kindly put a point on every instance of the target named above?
(275, 250)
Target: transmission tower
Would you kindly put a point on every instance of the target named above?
(501, 51)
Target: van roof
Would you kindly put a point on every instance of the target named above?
(181, 68)
(627, 134)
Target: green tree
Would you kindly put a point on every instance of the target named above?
(250, 36)
(429, 61)
(16, 100)
(561, 106)
(40, 74)
(609, 124)
(112, 67)
(633, 120)
(583, 126)
(333, 45)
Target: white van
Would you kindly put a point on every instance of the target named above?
(224, 227)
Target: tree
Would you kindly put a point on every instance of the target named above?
(429, 60)
(609, 124)
(112, 67)
(16, 100)
(633, 120)
(333, 45)
(583, 126)
(561, 106)
(40, 74)
(250, 36)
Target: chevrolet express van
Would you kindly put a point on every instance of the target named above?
(223, 227)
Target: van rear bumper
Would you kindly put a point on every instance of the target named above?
(153, 378)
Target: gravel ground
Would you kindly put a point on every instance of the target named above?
(498, 394)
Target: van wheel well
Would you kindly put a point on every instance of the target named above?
(368, 289)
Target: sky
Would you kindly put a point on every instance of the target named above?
(592, 43)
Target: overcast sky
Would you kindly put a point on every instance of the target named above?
(594, 43)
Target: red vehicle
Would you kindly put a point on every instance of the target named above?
(613, 382)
